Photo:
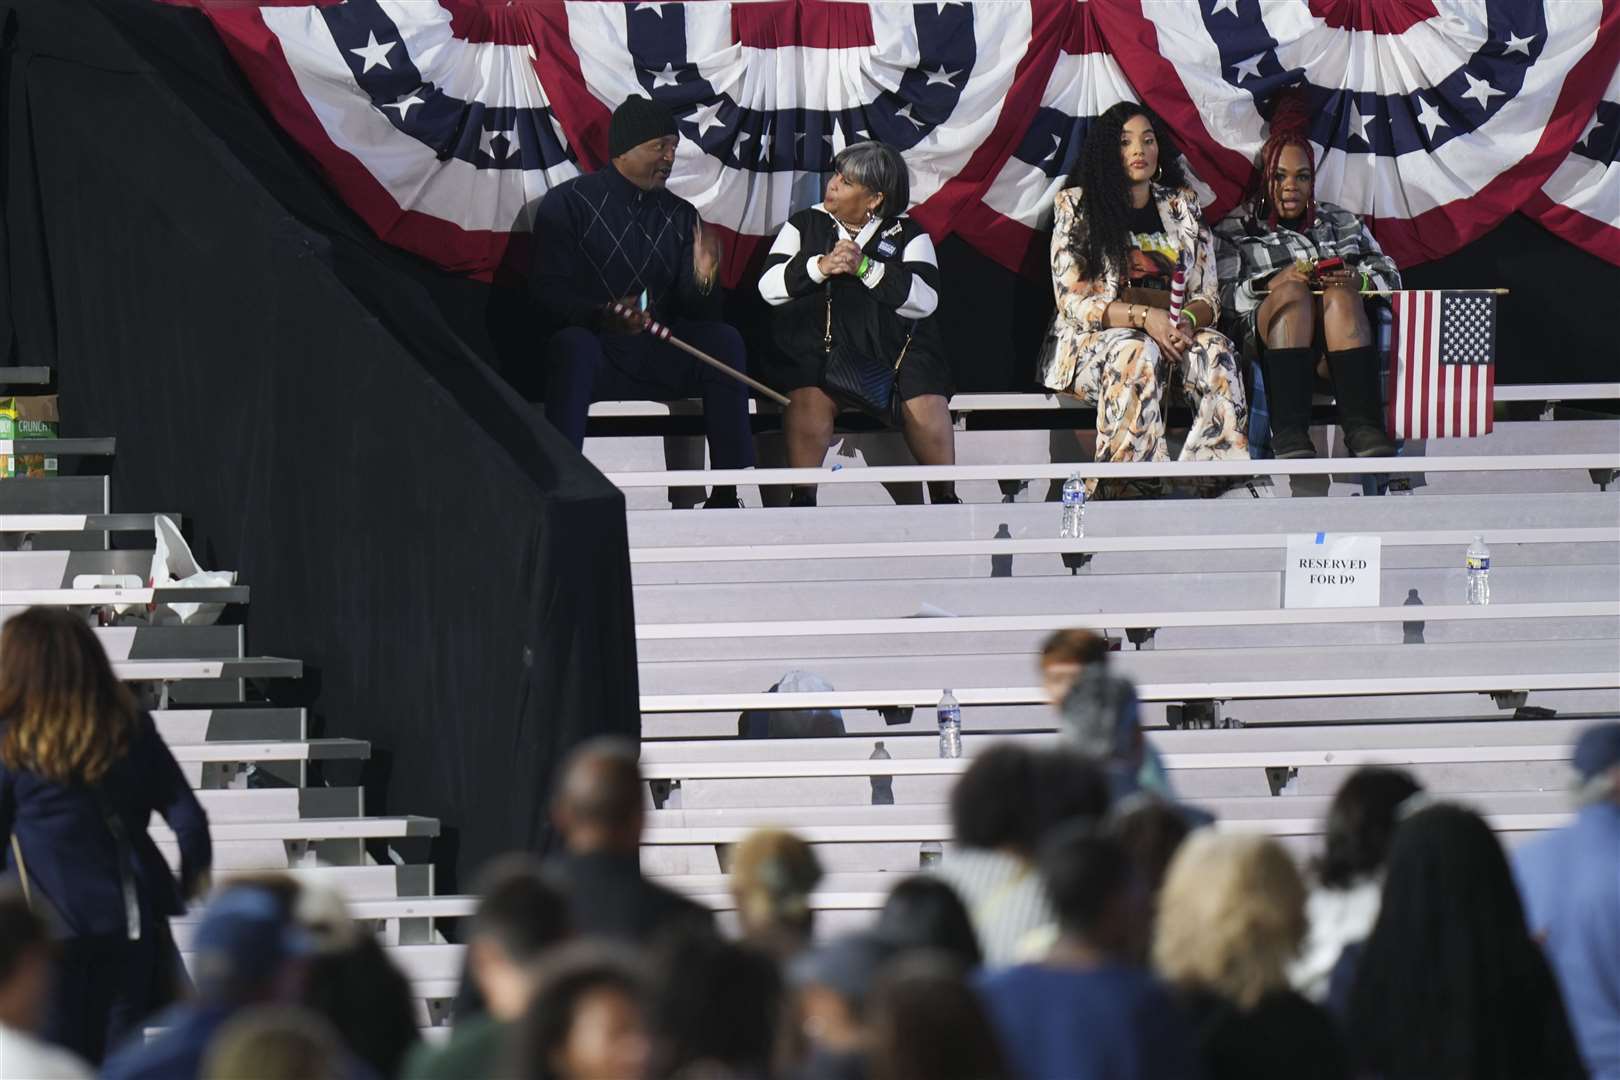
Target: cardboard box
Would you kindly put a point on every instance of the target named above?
(27, 418)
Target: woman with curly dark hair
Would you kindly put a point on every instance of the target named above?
(1293, 272)
(1120, 229)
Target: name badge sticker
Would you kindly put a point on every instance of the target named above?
(885, 248)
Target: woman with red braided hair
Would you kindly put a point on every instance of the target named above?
(1276, 250)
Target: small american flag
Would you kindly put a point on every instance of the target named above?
(1442, 378)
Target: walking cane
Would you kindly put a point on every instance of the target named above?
(661, 332)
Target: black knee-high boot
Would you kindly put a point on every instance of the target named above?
(1361, 403)
(1289, 382)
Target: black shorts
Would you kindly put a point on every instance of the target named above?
(921, 372)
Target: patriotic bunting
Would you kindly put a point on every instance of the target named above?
(442, 122)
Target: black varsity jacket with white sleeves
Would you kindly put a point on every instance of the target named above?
(874, 315)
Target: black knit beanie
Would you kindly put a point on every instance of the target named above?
(635, 122)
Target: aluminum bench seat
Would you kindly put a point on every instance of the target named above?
(56, 569)
(247, 667)
(1236, 808)
(210, 725)
(1163, 517)
(281, 803)
(1326, 739)
(281, 845)
(930, 604)
(1161, 675)
(354, 882)
(339, 828)
(236, 752)
(784, 767)
(940, 832)
(46, 522)
(162, 594)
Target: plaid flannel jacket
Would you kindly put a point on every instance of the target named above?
(1247, 255)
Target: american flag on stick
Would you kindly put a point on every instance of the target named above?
(1442, 377)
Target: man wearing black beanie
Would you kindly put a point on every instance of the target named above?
(619, 234)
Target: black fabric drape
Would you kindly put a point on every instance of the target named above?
(453, 574)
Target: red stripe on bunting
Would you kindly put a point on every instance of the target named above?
(489, 23)
(774, 24)
(482, 254)
(1009, 243)
(1375, 16)
(1441, 231)
(1587, 233)
(958, 207)
(584, 118)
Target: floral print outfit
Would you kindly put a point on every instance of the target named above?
(1121, 370)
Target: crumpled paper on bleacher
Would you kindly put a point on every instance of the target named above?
(174, 566)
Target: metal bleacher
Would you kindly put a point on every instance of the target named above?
(278, 796)
(1258, 711)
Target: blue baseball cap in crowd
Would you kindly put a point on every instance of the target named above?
(1597, 751)
(245, 939)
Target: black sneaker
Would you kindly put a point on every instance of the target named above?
(1292, 444)
(1368, 440)
(722, 502)
(802, 496)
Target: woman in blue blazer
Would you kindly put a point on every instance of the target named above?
(82, 767)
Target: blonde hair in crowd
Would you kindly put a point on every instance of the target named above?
(772, 876)
(66, 715)
(1231, 916)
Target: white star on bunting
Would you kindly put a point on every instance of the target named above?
(1224, 5)
(404, 105)
(666, 77)
(1250, 68)
(486, 142)
(657, 9)
(1358, 124)
(374, 52)
(706, 117)
(1480, 90)
(905, 114)
(1429, 116)
(940, 75)
(1517, 44)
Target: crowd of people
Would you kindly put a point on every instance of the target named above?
(1283, 292)
(1084, 924)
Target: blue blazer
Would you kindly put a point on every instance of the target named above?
(69, 851)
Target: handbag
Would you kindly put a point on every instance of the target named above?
(858, 381)
(40, 904)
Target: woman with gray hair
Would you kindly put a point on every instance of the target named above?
(854, 276)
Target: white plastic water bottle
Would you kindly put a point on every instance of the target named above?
(950, 726)
(1074, 508)
(1479, 572)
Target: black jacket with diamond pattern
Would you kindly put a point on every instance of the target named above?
(599, 238)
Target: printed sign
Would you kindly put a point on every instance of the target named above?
(1327, 570)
